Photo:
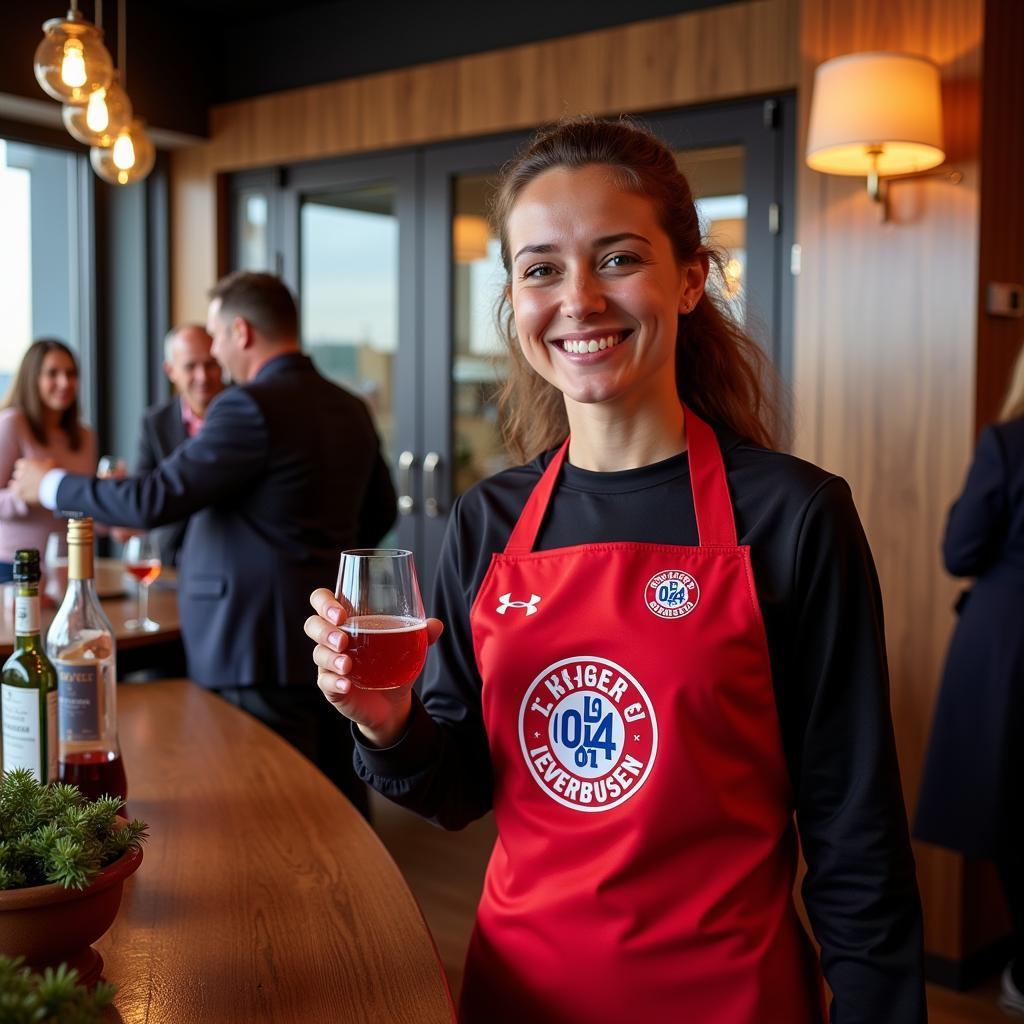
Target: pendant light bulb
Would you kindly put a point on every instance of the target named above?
(129, 159)
(72, 67)
(124, 152)
(97, 117)
(102, 119)
(71, 63)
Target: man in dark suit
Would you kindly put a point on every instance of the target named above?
(286, 472)
(197, 380)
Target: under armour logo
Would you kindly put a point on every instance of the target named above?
(507, 602)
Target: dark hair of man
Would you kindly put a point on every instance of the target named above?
(261, 299)
(24, 393)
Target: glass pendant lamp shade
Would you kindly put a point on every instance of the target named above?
(71, 62)
(99, 121)
(129, 159)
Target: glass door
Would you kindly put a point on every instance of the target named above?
(348, 252)
(736, 160)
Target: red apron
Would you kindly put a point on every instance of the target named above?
(646, 852)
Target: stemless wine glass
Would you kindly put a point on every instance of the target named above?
(387, 630)
(111, 467)
(142, 560)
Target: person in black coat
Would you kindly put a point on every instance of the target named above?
(197, 380)
(972, 794)
(286, 472)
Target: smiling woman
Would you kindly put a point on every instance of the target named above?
(662, 647)
(39, 419)
(660, 263)
(596, 309)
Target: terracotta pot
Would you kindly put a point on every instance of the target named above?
(48, 924)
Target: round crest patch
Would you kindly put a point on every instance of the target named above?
(588, 733)
(671, 594)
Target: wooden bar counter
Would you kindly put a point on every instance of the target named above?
(263, 896)
(163, 608)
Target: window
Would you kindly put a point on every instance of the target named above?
(41, 269)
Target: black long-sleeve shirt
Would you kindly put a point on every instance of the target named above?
(820, 600)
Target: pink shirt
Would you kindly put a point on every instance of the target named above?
(21, 525)
(192, 422)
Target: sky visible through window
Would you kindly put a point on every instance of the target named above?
(15, 267)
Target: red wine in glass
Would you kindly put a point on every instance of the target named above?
(145, 572)
(95, 772)
(387, 651)
(386, 625)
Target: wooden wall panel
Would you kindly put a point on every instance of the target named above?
(884, 357)
(734, 50)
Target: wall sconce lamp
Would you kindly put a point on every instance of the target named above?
(878, 115)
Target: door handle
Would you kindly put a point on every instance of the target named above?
(406, 505)
(431, 505)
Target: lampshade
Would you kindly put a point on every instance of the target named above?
(877, 112)
(101, 120)
(71, 62)
(129, 159)
(470, 235)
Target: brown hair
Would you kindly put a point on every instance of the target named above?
(23, 394)
(1013, 402)
(262, 299)
(721, 373)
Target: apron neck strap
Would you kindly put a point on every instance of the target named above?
(524, 536)
(711, 502)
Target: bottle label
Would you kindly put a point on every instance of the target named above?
(79, 689)
(26, 616)
(22, 739)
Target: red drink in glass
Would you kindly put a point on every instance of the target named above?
(95, 772)
(387, 651)
(145, 572)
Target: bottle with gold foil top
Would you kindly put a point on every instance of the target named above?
(28, 692)
(80, 644)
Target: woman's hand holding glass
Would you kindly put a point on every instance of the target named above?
(371, 641)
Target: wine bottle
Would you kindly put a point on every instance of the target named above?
(28, 693)
(81, 646)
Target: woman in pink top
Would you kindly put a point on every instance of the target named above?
(39, 419)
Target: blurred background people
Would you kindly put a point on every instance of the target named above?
(285, 473)
(197, 380)
(972, 795)
(39, 418)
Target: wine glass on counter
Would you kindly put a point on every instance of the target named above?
(142, 560)
(386, 625)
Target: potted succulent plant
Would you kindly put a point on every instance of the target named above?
(63, 862)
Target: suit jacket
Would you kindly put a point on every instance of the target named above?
(985, 531)
(285, 474)
(163, 430)
(973, 783)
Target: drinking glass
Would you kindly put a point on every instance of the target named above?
(142, 560)
(111, 467)
(386, 626)
(55, 566)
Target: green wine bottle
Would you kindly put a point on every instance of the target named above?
(28, 692)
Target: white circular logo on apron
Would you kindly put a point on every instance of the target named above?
(588, 733)
(671, 594)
